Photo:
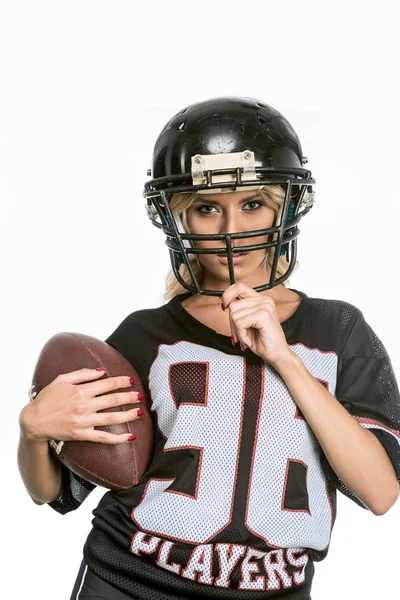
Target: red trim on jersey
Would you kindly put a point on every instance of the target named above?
(260, 405)
(310, 348)
(201, 450)
(142, 541)
(298, 577)
(166, 564)
(273, 569)
(207, 377)
(229, 555)
(252, 553)
(296, 510)
(172, 479)
(378, 423)
(201, 548)
(237, 455)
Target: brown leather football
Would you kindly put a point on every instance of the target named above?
(112, 466)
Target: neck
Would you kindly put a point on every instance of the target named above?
(277, 294)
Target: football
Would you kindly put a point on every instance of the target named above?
(119, 466)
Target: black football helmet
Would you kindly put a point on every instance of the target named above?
(228, 144)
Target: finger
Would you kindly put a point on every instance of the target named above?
(238, 306)
(110, 384)
(234, 336)
(116, 399)
(103, 437)
(105, 419)
(241, 310)
(248, 319)
(79, 376)
(237, 290)
(81, 422)
(253, 302)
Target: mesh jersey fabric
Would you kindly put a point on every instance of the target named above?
(239, 499)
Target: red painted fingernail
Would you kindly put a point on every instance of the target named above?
(140, 412)
(140, 396)
(234, 340)
(131, 381)
(223, 306)
(243, 347)
(131, 438)
(100, 369)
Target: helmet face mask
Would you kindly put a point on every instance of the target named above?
(224, 145)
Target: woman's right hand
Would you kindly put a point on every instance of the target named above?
(66, 409)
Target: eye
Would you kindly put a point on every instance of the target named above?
(254, 205)
(204, 208)
(210, 209)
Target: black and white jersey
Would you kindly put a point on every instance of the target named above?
(239, 499)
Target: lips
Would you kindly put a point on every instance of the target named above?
(236, 258)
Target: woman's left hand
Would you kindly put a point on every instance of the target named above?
(255, 323)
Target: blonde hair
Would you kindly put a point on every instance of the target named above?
(273, 196)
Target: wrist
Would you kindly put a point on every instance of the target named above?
(27, 429)
(286, 364)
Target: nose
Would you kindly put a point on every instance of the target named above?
(231, 221)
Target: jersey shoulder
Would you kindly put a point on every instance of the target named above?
(332, 312)
(323, 323)
(334, 306)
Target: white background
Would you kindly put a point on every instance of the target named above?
(86, 86)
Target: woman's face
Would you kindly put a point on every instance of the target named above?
(232, 212)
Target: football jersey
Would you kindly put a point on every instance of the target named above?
(239, 499)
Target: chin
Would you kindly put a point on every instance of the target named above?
(222, 281)
(251, 267)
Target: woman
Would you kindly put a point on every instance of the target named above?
(265, 401)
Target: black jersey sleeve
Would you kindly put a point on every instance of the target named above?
(367, 388)
(74, 490)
